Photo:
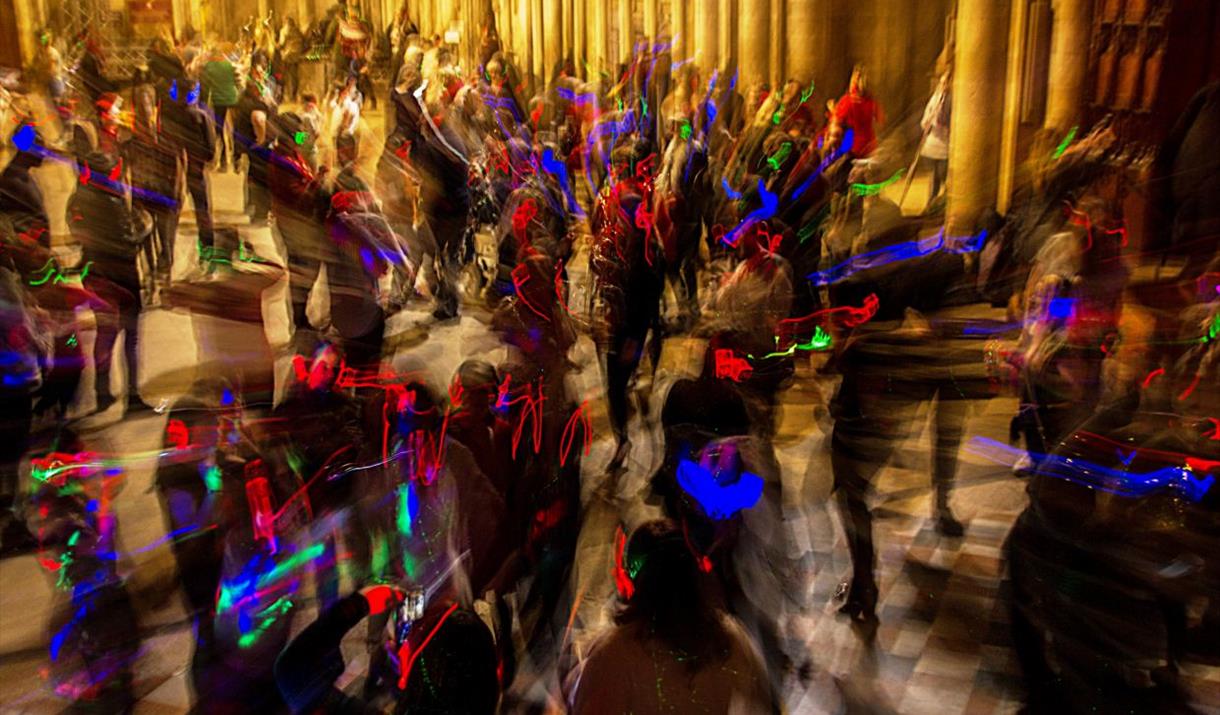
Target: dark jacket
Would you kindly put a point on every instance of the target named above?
(189, 129)
(101, 221)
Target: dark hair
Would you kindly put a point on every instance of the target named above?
(667, 599)
(456, 672)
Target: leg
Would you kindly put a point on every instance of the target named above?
(948, 426)
(198, 186)
(303, 268)
(16, 413)
(222, 114)
(108, 325)
(130, 322)
(448, 236)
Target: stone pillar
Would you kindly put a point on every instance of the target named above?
(537, 51)
(801, 40)
(753, 43)
(677, 31)
(775, 43)
(565, 44)
(580, 21)
(650, 21)
(552, 38)
(599, 37)
(27, 24)
(978, 108)
(706, 29)
(726, 33)
(524, 46)
(626, 35)
(1069, 63)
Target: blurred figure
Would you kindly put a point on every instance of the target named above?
(152, 165)
(291, 49)
(220, 92)
(297, 199)
(935, 125)
(99, 218)
(672, 649)
(858, 111)
(94, 633)
(193, 135)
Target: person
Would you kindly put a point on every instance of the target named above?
(152, 165)
(252, 101)
(192, 134)
(451, 666)
(292, 53)
(935, 125)
(258, 153)
(858, 111)
(100, 220)
(20, 377)
(671, 650)
(21, 200)
(220, 91)
(189, 481)
(51, 68)
(296, 202)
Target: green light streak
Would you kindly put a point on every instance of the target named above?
(872, 189)
(211, 478)
(1063, 145)
(820, 341)
(269, 614)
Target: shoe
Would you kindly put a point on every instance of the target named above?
(948, 525)
(860, 605)
(135, 404)
(104, 402)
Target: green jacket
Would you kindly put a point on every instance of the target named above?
(220, 83)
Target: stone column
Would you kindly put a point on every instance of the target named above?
(1069, 63)
(552, 35)
(27, 24)
(978, 108)
(650, 21)
(538, 53)
(753, 43)
(677, 31)
(580, 21)
(626, 35)
(801, 31)
(775, 42)
(706, 30)
(565, 45)
(726, 33)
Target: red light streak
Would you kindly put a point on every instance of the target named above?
(729, 366)
(581, 413)
(407, 657)
(1152, 376)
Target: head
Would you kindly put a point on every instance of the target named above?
(109, 106)
(324, 371)
(664, 593)
(418, 408)
(859, 80)
(474, 387)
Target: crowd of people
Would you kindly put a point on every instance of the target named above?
(754, 220)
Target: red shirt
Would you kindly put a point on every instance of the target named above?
(859, 112)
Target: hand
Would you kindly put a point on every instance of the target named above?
(381, 597)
